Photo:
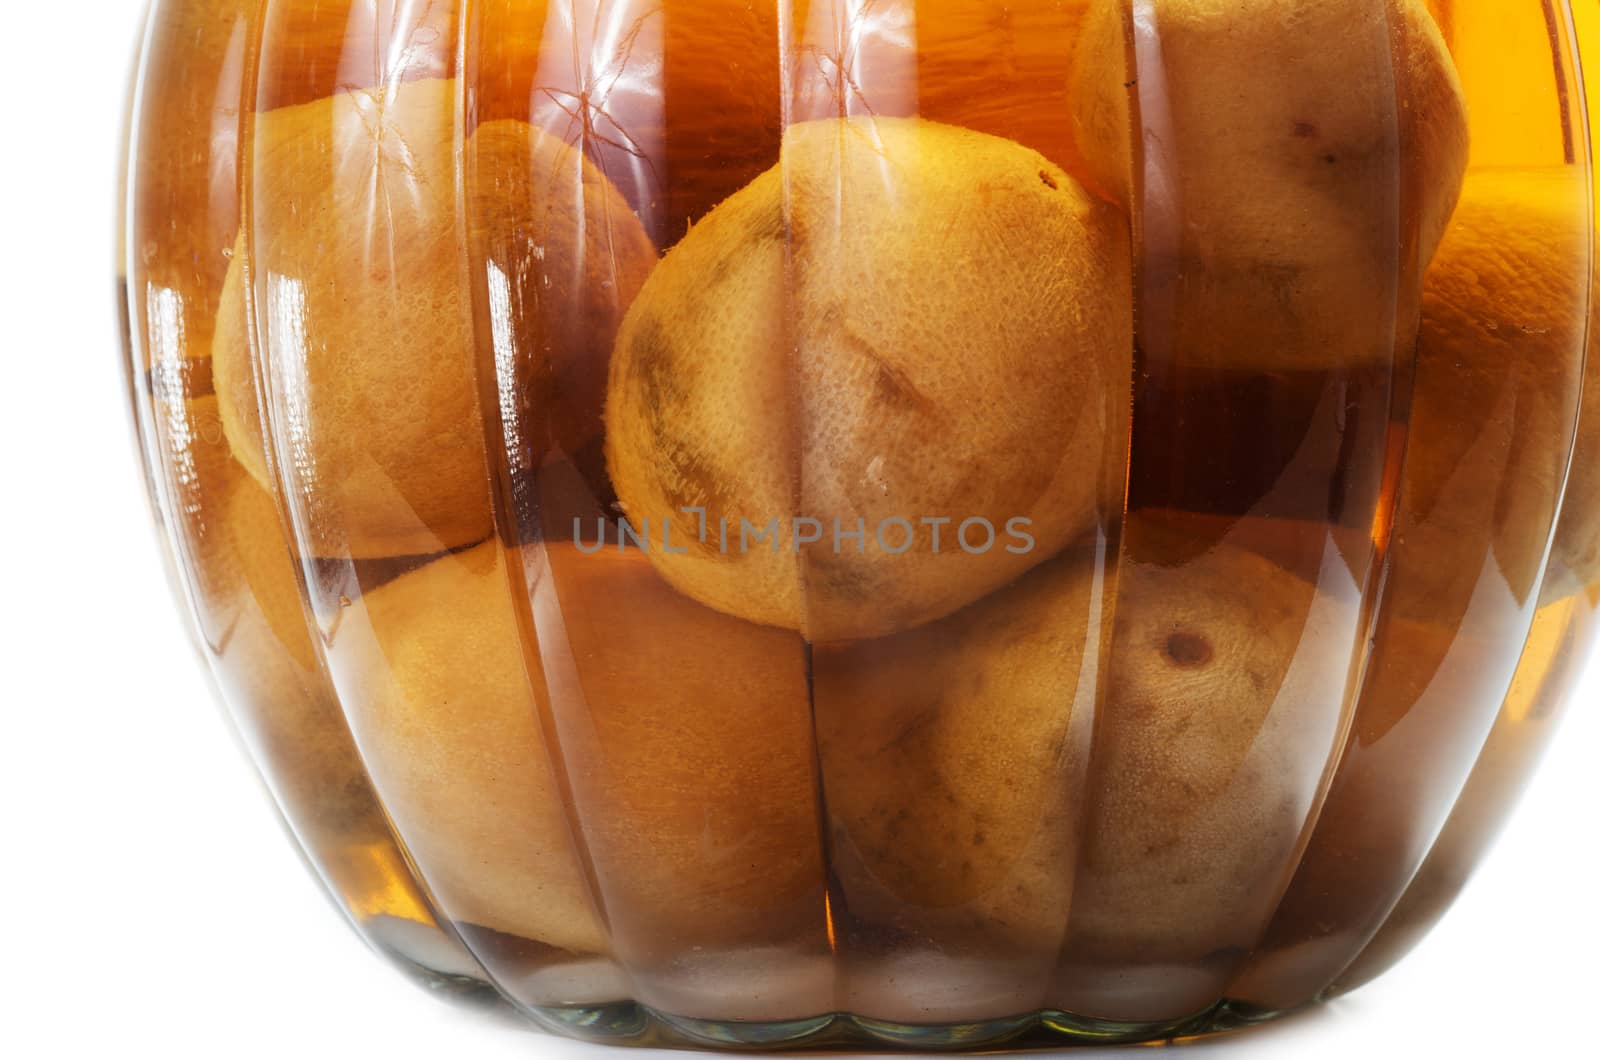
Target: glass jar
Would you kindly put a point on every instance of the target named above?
(898, 522)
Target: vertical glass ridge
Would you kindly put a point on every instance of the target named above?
(490, 271)
(1560, 627)
(1442, 647)
(462, 350)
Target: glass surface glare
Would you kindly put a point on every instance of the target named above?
(915, 523)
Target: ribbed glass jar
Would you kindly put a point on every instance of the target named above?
(902, 522)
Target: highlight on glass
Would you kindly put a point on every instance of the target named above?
(927, 523)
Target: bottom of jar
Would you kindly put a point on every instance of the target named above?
(629, 1023)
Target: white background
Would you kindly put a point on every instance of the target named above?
(153, 903)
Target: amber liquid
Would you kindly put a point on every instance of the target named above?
(242, 588)
(1201, 752)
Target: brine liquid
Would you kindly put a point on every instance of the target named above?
(1237, 740)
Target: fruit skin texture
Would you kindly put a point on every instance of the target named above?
(1225, 683)
(952, 766)
(894, 293)
(367, 317)
(1499, 372)
(689, 748)
(684, 744)
(972, 812)
(440, 701)
(1282, 140)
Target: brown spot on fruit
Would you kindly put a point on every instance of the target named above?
(1188, 649)
(888, 320)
